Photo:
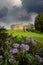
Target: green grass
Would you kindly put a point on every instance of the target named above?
(37, 36)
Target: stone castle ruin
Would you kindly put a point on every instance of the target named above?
(22, 27)
(17, 27)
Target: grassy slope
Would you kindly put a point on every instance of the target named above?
(37, 36)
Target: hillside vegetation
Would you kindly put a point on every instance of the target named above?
(37, 36)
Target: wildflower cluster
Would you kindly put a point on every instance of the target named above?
(20, 54)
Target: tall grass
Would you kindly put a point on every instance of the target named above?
(37, 36)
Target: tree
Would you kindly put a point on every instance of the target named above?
(3, 36)
(39, 22)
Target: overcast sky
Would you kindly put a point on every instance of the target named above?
(19, 11)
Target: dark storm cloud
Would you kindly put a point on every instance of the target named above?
(20, 13)
(33, 5)
(3, 12)
(10, 13)
(15, 14)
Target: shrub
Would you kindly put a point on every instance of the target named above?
(39, 22)
(25, 53)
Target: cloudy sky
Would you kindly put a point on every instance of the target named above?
(19, 11)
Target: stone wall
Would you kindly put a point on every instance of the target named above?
(17, 27)
(22, 27)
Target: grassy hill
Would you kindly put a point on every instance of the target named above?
(37, 36)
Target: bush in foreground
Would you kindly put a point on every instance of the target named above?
(22, 54)
(26, 52)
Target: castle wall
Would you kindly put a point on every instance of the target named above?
(17, 27)
(22, 27)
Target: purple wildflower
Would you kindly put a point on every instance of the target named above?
(28, 40)
(1, 57)
(24, 47)
(11, 51)
(31, 40)
(8, 42)
(15, 50)
(15, 45)
(12, 59)
(39, 58)
(1, 49)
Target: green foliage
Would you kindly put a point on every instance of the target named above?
(35, 35)
(1, 62)
(22, 58)
(37, 49)
(14, 63)
(17, 39)
(39, 22)
(3, 36)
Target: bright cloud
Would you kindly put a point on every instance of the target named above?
(10, 3)
(16, 2)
